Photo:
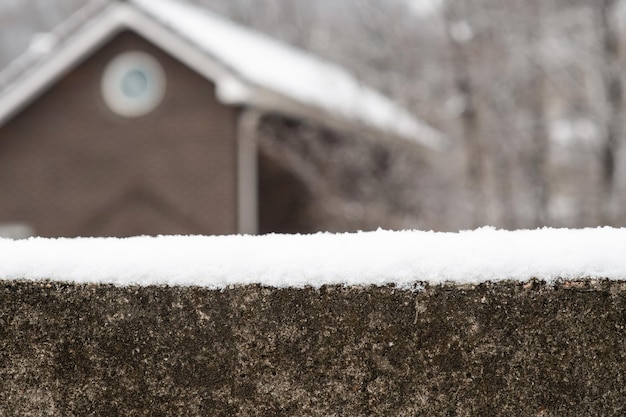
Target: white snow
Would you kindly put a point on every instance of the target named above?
(265, 62)
(42, 43)
(425, 8)
(568, 132)
(382, 257)
(461, 31)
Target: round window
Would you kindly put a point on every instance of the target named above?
(133, 84)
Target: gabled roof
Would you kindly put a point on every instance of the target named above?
(248, 68)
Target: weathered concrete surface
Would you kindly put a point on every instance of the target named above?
(491, 350)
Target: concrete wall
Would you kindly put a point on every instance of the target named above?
(508, 349)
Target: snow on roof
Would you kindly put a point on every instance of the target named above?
(254, 69)
(379, 258)
(267, 63)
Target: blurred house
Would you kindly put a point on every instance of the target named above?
(142, 117)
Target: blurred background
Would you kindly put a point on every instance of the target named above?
(528, 91)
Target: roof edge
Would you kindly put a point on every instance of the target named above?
(68, 53)
(58, 61)
(232, 88)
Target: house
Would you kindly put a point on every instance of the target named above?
(140, 117)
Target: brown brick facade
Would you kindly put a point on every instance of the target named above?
(69, 166)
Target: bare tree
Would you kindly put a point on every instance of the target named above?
(469, 118)
(539, 147)
(615, 108)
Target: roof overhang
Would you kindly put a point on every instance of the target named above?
(232, 88)
(110, 21)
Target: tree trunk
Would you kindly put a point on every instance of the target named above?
(537, 163)
(539, 153)
(470, 125)
(615, 108)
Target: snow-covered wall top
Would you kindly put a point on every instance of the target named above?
(381, 257)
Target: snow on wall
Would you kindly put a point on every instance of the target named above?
(267, 63)
(381, 257)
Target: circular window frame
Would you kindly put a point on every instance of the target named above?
(113, 78)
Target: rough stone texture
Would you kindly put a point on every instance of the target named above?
(506, 349)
